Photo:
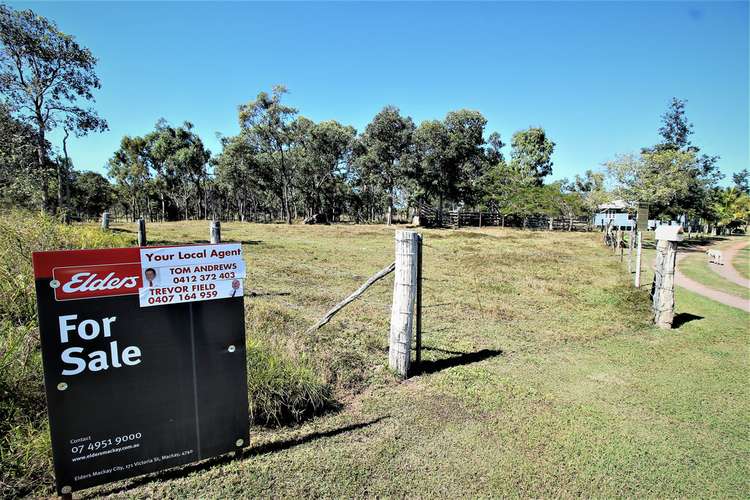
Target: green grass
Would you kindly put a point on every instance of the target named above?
(542, 376)
(742, 262)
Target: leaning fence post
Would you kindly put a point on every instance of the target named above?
(638, 261)
(404, 295)
(662, 289)
(142, 242)
(105, 221)
(215, 232)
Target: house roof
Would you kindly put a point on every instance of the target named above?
(615, 205)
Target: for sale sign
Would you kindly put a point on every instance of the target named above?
(144, 358)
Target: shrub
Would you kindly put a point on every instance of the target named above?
(282, 390)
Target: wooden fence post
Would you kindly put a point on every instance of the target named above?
(638, 261)
(404, 295)
(215, 231)
(631, 236)
(662, 289)
(105, 221)
(418, 354)
(142, 242)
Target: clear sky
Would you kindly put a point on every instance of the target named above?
(596, 75)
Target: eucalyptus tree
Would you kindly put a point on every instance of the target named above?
(531, 154)
(180, 160)
(46, 79)
(433, 168)
(702, 174)
(130, 168)
(322, 152)
(384, 149)
(466, 152)
(266, 123)
(241, 177)
(18, 161)
(91, 194)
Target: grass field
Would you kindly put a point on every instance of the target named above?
(696, 268)
(742, 262)
(542, 376)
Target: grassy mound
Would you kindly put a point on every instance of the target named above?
(283, 391)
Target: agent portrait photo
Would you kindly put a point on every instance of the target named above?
(149, 277)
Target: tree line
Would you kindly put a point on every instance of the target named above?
(284, 166)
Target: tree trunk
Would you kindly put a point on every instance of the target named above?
(60, 168)
(41, 163)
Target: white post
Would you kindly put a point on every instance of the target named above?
(105, 221)
(404, 296)
(638, 261)
(631, 243)
(215, 232)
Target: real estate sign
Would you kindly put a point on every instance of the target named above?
(144, 358)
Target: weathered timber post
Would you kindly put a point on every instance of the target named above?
(662, 289)
(638, 260)
(105, 221)
(404, 296)
(480, 219)
(142, 242)
(631, 236)
(618, 238)
(550, 223)
(215, 231)
(418, 354)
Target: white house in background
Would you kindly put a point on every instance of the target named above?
(618, 212)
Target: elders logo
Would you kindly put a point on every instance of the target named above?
(82, 282)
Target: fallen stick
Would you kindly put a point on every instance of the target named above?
(351, 298)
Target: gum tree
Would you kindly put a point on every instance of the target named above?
(46, 79)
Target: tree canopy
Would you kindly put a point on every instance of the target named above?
(46, 79)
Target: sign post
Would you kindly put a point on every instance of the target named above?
(144, 358)
(641, 225)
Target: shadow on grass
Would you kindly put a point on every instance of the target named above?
(464, 358)
(682, 318)
(204, 465)
(290, 443)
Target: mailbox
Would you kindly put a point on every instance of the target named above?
(669, 233)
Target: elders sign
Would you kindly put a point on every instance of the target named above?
(144, 358)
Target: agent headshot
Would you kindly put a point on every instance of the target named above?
(150, 275)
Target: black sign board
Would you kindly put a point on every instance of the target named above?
(133, 389)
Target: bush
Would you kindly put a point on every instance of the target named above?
(282, 390)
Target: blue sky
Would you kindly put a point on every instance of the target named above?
(596, 75)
